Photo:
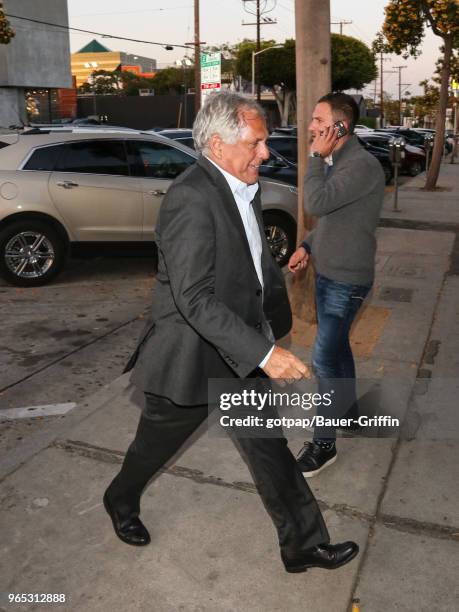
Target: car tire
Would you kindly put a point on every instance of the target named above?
(280, 232)
(415, 168)
(31, 253)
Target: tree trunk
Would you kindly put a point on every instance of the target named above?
(286, 109)
(313, 55)
(434, 168)
(283, 104)
(279, 102)
(292, 116)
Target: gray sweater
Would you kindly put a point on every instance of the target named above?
(347, 202)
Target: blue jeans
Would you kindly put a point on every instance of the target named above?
(332, 360)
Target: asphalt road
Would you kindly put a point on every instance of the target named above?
(60, 343)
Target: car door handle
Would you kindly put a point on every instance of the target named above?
(67, 184)
(157, 192)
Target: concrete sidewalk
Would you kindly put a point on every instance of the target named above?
(213, 546)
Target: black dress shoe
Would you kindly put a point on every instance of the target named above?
(128, 527)
(326, 556)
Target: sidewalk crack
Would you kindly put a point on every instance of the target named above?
(406, 525)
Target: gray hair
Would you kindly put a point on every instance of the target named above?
(221, 115)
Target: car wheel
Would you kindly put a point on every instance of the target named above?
(280, 232)
(415, 168)
(31, 253)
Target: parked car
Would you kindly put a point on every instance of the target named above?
(182, 135)
(70, 127)
(89, 189)
(382, 155)
(279, 168)
(286, 147)
(276, 167)
(449, 137)
(290, 130)
(416, 136)
(414, 161)
(411, 137)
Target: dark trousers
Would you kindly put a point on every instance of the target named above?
(332, 359)
(165, 426)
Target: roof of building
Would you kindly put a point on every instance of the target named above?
(94, 47)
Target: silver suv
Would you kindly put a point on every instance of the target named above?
(63, 189)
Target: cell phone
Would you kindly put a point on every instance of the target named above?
(342, 130)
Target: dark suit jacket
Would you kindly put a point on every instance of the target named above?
(208, 311)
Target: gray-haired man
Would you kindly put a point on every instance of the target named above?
(218, 303)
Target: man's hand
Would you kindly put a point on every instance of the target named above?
(299, 260)
(325, 142)
(284, 365)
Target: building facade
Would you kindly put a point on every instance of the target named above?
(95, 56)
(37, 58)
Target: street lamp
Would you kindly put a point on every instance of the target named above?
(185, 62)
(254, 53)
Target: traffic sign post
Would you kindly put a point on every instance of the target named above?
(211, 74)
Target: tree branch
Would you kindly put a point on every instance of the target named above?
(431, 20)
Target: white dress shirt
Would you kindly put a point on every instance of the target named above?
(243, 196)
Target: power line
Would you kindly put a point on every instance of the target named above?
(361, 35)
(341, 22)
(167, 46)
(151, 10)
(286, 8)
(259, 12)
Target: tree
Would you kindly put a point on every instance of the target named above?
(426, 105)
(353, 64)
(103, 82)
(391, 110)
(173, 80)
(404, 28)
(6, 31)
(276, 70)
(132, 82)
(115, 82)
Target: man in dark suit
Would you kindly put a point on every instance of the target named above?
(219, 303)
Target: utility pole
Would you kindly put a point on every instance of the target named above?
(387, 72)
(197, 59)
(341, 23)
(313, 65)
(258, 23)
(382, 72)
(399, 68)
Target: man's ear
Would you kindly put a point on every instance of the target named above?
(215, 146)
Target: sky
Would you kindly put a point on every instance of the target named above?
(172, 21)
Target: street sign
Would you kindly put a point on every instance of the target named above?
(211, 74)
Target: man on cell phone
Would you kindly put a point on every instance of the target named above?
(344, 189)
